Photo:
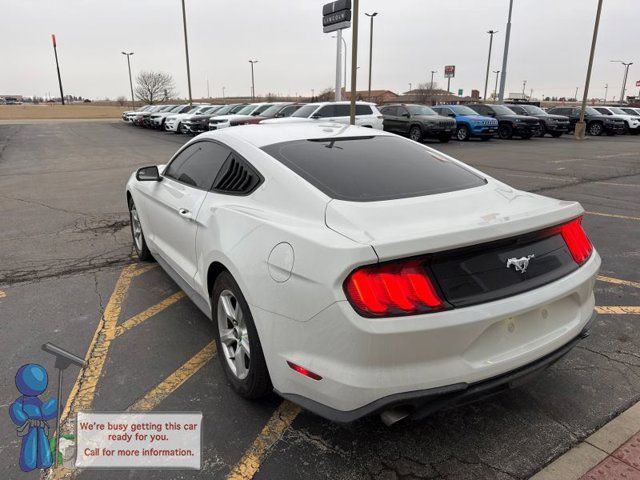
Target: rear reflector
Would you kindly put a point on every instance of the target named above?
(391, 289)
(577, 241)
(304, 371)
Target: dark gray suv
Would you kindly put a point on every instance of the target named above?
(418, 122)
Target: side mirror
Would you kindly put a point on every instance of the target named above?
(406, 115)
(315, 117)
(452, 115)
(148, 174)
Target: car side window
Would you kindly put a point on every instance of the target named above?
(174, 166)
(402, 111)
(286, 111)
(393, 111)
(480, 109)
(326, 111)
(445, 111)
(362, 110)
(345, 110)
(201, 167)
(604, 111)
(518, 110)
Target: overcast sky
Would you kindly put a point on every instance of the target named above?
(549, 44)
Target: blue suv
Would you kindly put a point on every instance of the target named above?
(470, 124)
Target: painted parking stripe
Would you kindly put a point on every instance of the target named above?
(148, 313)
(145, 269)
(250, 462)
(618, 310)
(2, 294)
(623, 217)
(83, 391)
(618, 281)
(152, 399)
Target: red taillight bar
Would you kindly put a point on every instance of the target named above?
(576, 239)
(392, 289)
(304, 371)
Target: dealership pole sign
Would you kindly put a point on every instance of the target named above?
(638, 83)
(449, 71)
(336, 16)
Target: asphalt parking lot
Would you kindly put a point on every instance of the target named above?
(67, 276)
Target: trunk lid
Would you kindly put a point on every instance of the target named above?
(414, 226)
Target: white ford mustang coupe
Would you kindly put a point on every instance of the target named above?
(357, 272)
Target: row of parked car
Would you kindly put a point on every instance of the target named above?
(419, 122)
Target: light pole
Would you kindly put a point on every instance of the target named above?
(576, 95)
(223, 98)
(505, 54)
(186, 50)
(606, 90)
(354, 62)
(370, 15)
(486, 78)
(624, 78)
(524, 84)
(580, 127)
(130, 81)
(410, 87)
(253, 85)
(495, 90)
(433, 72)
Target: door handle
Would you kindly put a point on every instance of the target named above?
(184, 213)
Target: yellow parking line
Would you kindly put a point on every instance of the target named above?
(2, 294)
(170, 384)
(618, 310)
(148, 313)
(623, 217)
(83, 391)
(618, 281)
(145, 269)
(281, 419)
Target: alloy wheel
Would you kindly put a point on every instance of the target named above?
(415, 134)
(136, 228)
(234, 336)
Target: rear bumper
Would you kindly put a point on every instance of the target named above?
(369, 364)
(422, 403)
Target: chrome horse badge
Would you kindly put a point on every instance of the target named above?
(520, 264)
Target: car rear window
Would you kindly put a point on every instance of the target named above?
(367, 169)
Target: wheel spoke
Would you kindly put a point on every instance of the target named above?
(239, 361)
(227, 306)
(227, 337)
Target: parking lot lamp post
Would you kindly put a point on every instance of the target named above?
(495, 90)
(580, 128)
(130, 81)
(186, 50)
(433, 72)
(253, 85)
(624, 78)
(576, 94)
(223, 99)
(370, 15)
(524, 84)
(486, 78)
(410, 87)
(606, 90)
(505, 53)
(354, 63)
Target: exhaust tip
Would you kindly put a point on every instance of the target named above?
(394, 415)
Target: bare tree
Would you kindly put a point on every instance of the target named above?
(121, 100)
(152, 87)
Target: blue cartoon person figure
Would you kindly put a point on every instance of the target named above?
(30, 414)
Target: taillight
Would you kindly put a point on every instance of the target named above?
(576, 239)
(392, 289)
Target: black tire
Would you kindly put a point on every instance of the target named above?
(556, 134)
(595, 129)
(142, 251)
(462, 133)
(257, 382)
(505, 131)
(626, 130)
(543, 130)
(179, 129)
(444, 138)
(415, 133)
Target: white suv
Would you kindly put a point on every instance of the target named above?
(367, 114)
(632, 122)
(174, 121)
(230, 120)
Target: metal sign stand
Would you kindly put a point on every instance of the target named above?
(336, 16)
(63, 360)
